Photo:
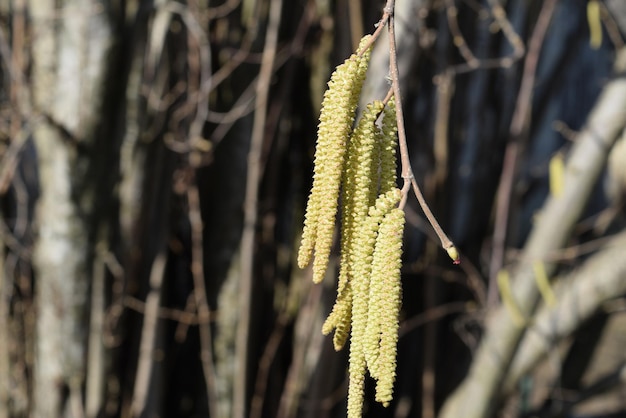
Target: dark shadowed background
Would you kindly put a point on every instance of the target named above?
(156, 156)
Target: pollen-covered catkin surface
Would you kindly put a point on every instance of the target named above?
(363, 259)
(381, 335)
(364, 251)
(359, 182)
(389, 140)
(336, 120)
(340, 318)
(362, 163)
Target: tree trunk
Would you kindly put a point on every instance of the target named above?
(70, 43)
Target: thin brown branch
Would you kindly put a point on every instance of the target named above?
(445, 92)
(514, 39)
(223, 9)
(457, 36)
(269, 353)
(253, 178)
(355, 12)
(434, 314)
(611, 26)
(307, 349)
(407, 172)
(96, 359)
(473, 63)
(184, 317)
(472, 279)
(387, 12)
(202, 305)
(429, 378)
(148, 340)
(521, 119)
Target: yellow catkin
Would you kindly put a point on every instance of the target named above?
(506, 294)
(364, 250)
(388, 148)
(335, 123)
(387, 166)
(356, 369)
(340, 318)
(358, 181)
(336, 119)
(375, 167)
(342, 328)
(381, 334)
(556, 170)
(594, 19)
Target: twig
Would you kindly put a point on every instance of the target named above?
(223, 9)
(429, 356)
(185, 317)
(355, 12)
(434, 314)
(269, 354)
(473, 63)
(387, 12)
(514, 39)
(183, 326)
(445, 91)
(202, 305)
(148, 337)
(307, 350)
(95, 370)
(201, 63)
(611, 26)
(253, 177)
(238, 110)
(519, 123)
(457, 37)
(407, 172)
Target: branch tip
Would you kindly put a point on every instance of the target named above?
(453, 253)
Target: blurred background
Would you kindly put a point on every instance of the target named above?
(156, 156)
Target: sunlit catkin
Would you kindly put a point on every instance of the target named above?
(336, 120)
(340, 318)
(364, 251)
(381, 335)
(388, 148)
(359, 182)
(361, 163)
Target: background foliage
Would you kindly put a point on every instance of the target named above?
(156, 157)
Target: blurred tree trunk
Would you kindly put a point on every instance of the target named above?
(70, 43)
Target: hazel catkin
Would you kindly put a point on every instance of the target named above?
(364, 251)
(388, 176)
(336, 119)
(385, 299)
(359, 182)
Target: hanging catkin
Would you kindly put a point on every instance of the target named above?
(336, 120)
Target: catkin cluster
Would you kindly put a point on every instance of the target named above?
(336, 120)
(361, 162)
